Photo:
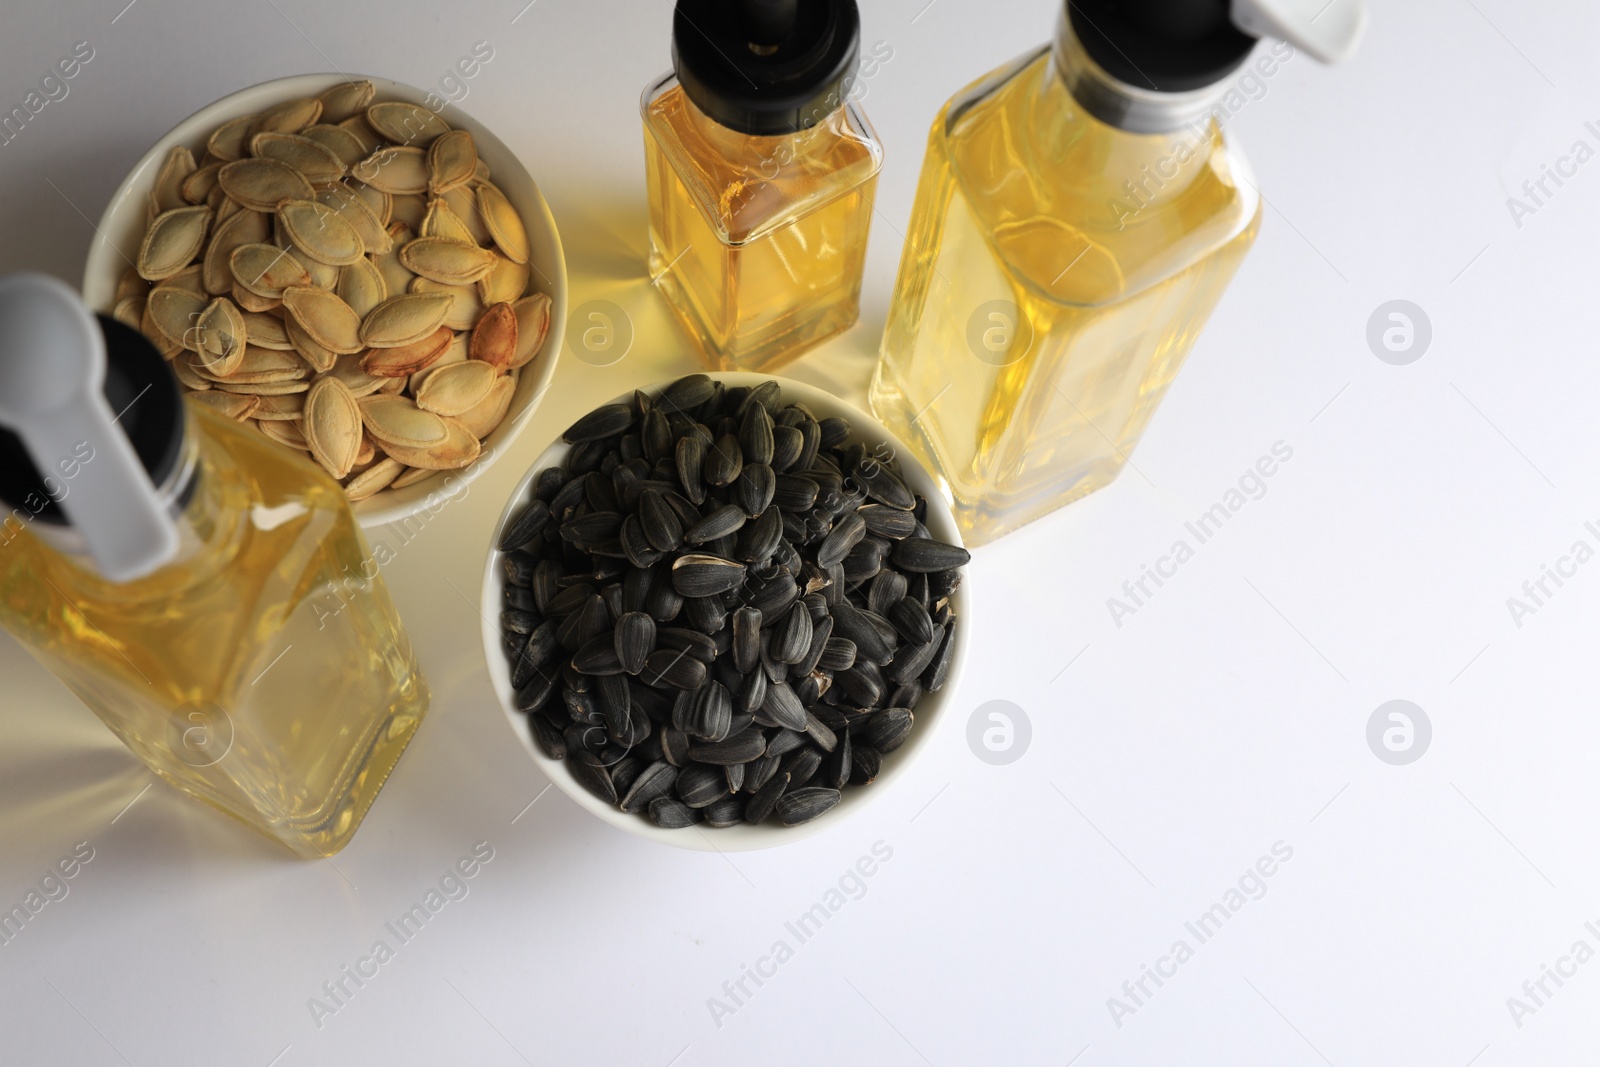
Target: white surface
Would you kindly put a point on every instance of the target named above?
(1168, 755)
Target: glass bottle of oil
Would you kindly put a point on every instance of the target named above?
(206, 593)
(761, 172)
(1078, 216)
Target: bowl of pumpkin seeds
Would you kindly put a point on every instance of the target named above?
(726, 611)
(353, 267)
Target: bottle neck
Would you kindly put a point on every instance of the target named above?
(1115, 102)
(183, 494)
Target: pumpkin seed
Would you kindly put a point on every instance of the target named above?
(346, 99)
(405, 319)
(175, 312)
(394, 170)
(404, 123)
(172, 242)
(316, 162)
(321, 358)
(285, 433)
(463, 203)
(332, 425)
(465, 307)
(376, 477)
(345, 146)
(447, 261)
(266, 270)
(222, 335)
(452, 160)
(503, 222)
(402, 361)
(259, 184)
(232, 405)
(396, 420)
(490, 412)
(361, 286)
(291, 116)
(354, 210)
(505, 282)
(456, 389)
(227, 143)
(458, 449)
(328, 320)
(440, 221)
(242, 228)
(320, 232)
(175, 170)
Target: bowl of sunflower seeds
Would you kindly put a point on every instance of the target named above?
(726, 611)
(351, 266)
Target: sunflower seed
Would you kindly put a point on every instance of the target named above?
(791, 637)
(691, 458)
(925, 555)
(701, 784)
(720, 523)
(635, 638)
(600, 423)
(741, 747)
(696, 574)
(723, 461)
(803, 805)
(674, 668)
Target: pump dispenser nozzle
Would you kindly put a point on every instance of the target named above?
(52, 373)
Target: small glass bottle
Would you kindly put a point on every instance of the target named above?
(761, 172)
(204, 591)
(1078, 217)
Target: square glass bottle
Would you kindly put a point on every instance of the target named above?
(761, 173)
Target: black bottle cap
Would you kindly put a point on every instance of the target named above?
(140, 386)
(766, 67)
(1170, 46)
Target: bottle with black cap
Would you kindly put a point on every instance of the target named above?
(761, 171)
(207, 594)
(1079, 214)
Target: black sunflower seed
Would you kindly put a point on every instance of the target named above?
(803, 805)
(698, 645)
(699, 784)
(659, 522)
(754, 693)
(690, 457)
(663, 602)
(865, 762)
(600, 423)
(882, 484)
(673, 667)
(517, 622)
(539, 649)
(746, 637)
(911, 660)
(591, 528)
(710, 714)
(911, 619)
(791, 637)
(794, 492)
(598, 656)
(733, 776)
(821, 735)
(925, 555)
(783, 707)
(535, 693)
(741, 747)
(821, 631)
(938, 669)
(759, 539)
(547, 736)
(852, 622)
(591, 619)
(670, 814)
(836, 768)
(753, 490)
(784, 742)
(864, 562)
(888, 729)
(519, 598)
(729, 811)
(696, 574)
(528, 524)
(801, 765)
(766, 798)
(839, 655)
(755, 435)
(674, 746)
(654, 781)
(888, 587)
(787, 443)
(635, 638)
(595, 778)
(549, 483)
(705, 613)
(724, 461)
(687, 393)
(723, 520)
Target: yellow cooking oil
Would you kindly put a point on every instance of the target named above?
(1057, 271)
(757, 242)
(265, 671)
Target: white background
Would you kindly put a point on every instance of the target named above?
(1168, 754)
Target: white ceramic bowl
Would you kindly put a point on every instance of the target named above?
(930, 711)
(123, 223)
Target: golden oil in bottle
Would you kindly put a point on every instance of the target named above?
(264, 670)
(760, 173)
(1070, 237)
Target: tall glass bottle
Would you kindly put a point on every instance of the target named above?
(228, 624)
(761, 173)
(1078, 217)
